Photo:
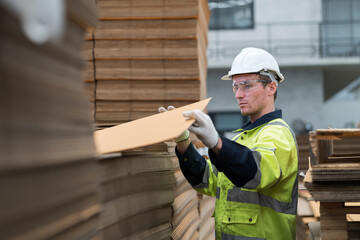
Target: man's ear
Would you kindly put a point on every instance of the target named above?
(272, 87)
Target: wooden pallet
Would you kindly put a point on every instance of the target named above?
(333, 179)
(334, 222)
(325, 148)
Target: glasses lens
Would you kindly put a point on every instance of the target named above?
(245, 86)
(248, 85)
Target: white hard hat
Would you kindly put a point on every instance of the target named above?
(255, 60)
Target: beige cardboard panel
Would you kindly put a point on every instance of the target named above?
(145, 131)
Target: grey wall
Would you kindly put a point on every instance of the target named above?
(300, 96)
(223, 99)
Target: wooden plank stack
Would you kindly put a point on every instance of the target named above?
(333, 179)
(148, 54)
(47, 170)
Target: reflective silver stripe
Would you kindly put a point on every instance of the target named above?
(232, 237)
(214, 169)
(253, 183)
(237, 195)
(206, 176)
(217, 193)
(294, 194)
(205, 180)
(257, 159)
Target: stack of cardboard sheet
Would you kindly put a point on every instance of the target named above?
(188, 223)
(148, 54)
(47, 169)
(186, 218)
(333, 179)
(207, 222)
(137, 190)
(304, 152)
(145, 196)
(89, 71)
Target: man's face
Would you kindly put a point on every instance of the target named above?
(254, 100)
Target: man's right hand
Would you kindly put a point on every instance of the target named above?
(185, 135)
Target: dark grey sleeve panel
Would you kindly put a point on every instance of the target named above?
(235, 161)
(192, 165)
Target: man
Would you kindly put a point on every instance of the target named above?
(254, 176)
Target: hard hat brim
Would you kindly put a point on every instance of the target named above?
(227, 77)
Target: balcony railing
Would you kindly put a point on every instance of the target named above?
(300, 39)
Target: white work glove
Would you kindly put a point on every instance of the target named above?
(185, 135)
(203, 128)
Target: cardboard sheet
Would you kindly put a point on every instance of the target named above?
(146, 131)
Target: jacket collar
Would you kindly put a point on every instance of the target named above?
(264, 119)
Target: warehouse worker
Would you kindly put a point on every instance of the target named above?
(254, 176)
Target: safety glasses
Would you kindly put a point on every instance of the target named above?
(248, 85)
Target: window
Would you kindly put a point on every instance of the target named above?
(340, 32)
(227, 14)
(227, 121)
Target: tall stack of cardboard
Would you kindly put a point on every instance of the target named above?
(47, 168)
(148, 54)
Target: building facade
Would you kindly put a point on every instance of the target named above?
(317, 45)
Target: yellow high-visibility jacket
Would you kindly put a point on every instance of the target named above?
(254, 179)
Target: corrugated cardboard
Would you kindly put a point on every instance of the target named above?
(146, 131)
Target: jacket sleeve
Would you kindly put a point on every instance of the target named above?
(235, 161)
(256, 168)
(199, 172)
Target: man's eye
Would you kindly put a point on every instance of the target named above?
(247, 86)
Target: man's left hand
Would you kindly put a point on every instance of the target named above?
(203, 128)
